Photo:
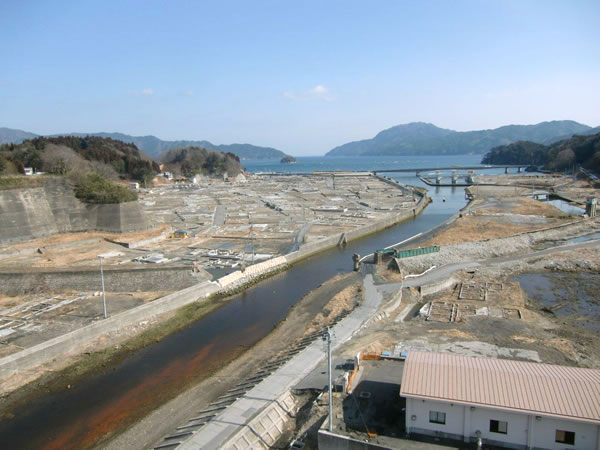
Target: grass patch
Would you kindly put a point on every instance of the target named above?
(16, 182)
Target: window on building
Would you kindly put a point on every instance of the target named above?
(498, 426)
(565, 437)
(437, 417)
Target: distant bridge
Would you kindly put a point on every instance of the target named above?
(430, 169)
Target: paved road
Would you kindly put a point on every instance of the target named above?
(219, 216)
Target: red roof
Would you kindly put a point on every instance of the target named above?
(530, 388)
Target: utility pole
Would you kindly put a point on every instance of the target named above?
(251, 237)
(103, 294)
(327, 339)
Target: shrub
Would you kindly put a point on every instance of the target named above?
(95, 189)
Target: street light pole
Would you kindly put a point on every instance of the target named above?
(327, 337)
(103, 294)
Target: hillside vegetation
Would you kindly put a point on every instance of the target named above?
(90, 163)
(190, 161)
(565, 154)
(61, 155)
(424, 138)
(154, 146)
(521, 152)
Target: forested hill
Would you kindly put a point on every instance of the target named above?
(424, 138)
(190, 161)
(63, 155)
(578, 150)
(154, 146)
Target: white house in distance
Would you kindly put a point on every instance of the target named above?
(506, 403)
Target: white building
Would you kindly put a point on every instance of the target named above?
(507, 403)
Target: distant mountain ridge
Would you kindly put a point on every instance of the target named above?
(154, 146)
(12, 136)
(425, 138)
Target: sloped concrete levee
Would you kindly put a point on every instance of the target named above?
(265, 429)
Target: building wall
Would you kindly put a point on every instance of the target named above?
(516, 430)
(419, 409)
(462, 422)
(544, 432)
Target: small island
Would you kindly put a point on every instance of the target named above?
(288, 159)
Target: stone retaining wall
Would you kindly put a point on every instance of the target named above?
(29, 213)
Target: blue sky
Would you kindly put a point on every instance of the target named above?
(300, 76)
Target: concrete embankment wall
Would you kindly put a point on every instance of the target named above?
(239, 277)
(334, 441)
(88, 279)
(29, 213)
(324, 244)
(433, 288)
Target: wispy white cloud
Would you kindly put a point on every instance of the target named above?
(144, 91)
(319, 92)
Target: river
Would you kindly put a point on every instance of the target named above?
(80, 416)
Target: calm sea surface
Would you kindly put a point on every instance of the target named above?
(314, 163)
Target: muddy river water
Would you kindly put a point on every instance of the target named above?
(80, 416)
